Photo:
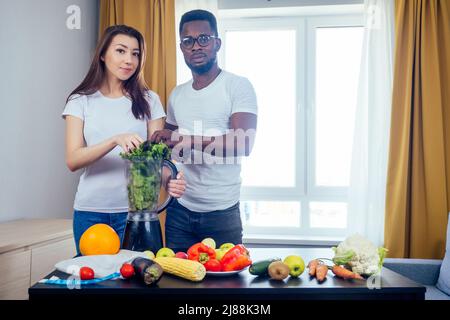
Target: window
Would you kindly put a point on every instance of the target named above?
(278, 49)
(305, 73)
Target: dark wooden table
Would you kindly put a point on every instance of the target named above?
(245, 286)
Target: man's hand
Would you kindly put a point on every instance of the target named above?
(169, 137)
(177, 187)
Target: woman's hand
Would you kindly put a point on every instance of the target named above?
(128, 141)
(177, 187)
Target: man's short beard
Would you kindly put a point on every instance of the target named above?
(203, 68)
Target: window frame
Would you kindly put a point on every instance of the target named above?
(313, 23)
(281, 24)
(305, 189)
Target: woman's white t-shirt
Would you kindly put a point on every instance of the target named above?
(102, 185)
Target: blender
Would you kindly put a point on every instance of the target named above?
(144, 176)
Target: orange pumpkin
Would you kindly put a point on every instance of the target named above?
(99, 239)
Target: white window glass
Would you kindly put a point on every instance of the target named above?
(338, 55)
(328, 214)
(270, 213)
(268, 59)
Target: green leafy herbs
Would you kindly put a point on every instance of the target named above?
(144, 174)
(147, 151)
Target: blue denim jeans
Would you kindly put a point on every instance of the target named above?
(82, 220)
(184, 227)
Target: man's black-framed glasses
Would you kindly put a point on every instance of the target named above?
(203, 40)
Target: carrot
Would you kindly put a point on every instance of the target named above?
(312, 266)
(321, 272)
(345, 273)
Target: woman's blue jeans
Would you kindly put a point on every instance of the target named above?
(82, 220)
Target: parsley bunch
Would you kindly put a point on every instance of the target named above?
(144, 181)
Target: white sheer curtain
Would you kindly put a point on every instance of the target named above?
(371, 138)
(182, 6)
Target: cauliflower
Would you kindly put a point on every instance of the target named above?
(360, 255)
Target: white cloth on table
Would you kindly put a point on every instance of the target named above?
(103, 265)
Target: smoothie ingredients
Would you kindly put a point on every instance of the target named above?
(237, 258)
(321, 272)
(86, 273)
(360, 255)
(278, 270)
(148, 150)
(296, 265)
(201, 252)
(318, 269)
(165, 252)
(344, 273)
(181, 255)
(220, 253)
(144, 185)
(312, 266)
(147, 270)
(209, 242)
(261, 268)
(187, 269)
(127, 271)
(99, 239)
(213, 265)
(149, 254)
(226, 246)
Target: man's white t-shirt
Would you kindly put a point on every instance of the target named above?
(207, 112)
(102, 185)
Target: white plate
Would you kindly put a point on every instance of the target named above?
(224, 273)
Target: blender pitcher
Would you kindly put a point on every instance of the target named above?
(143, 230)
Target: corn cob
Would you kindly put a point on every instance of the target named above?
(187, 269)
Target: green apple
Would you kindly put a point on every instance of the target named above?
(209, 242)
(149, 254)
(220, 253)
(226, 246)
(165, 252)
(296, 265)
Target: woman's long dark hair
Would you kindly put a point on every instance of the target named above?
(135, 87)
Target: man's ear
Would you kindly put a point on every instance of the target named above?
(218, 44)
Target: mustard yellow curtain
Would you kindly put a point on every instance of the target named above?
(155, 19)
(418, 183)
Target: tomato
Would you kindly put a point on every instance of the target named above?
(213, 265)
(86, 273)
(127, 270)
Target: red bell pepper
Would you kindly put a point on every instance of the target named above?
(236, 258)
(201, 253)
(213, 265)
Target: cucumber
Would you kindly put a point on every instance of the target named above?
(260, 268)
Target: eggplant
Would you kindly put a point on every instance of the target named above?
(147, 270)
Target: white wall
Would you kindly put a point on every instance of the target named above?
(41, 61)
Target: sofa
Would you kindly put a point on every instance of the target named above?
(433, 274)
(423, 271)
